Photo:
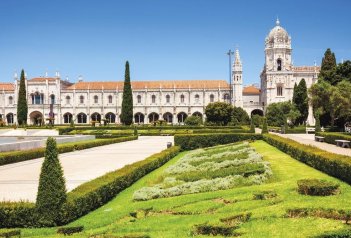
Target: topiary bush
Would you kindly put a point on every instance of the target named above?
(317, 187)
(70, 230)
(52, 187)
(265, 126)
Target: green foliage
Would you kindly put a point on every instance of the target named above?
(330, 137)
(70, 230)
(190, 142)
(22, 106)
(277, 113)
(52, 186)
(240, 117)
(343, 233)
(252, 126)
(265, 126)
(286, 126)
(193, 121)
(127, 101)
(318, 124)
(335, 165)
(328, 66)
(257, 120)
(317, 187)
(300, 100)
(11, 233)
(135, 132)
(342, 72)
(264, 195)
(71, 124)
(17, 156)
(219, 113)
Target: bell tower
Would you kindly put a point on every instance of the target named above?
(237, 80)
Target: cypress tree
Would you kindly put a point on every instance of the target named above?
(265, 126)
(22, 106)
(52, 189)
(294, 93)
(328, 66)
(318, 124)
(127, 101)
(300, 99)
(252, 127)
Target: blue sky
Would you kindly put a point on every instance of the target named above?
(163, 40)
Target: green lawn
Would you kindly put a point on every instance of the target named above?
(176, 216)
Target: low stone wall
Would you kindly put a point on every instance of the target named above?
(40, 142)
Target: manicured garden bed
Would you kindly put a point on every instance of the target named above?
(220, 211)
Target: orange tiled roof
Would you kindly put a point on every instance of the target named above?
(306, 68)
(184, 84)
(251, 90)
(41, 79)
(7, 87)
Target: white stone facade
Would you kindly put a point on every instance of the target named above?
(171, 101)
(279, 75)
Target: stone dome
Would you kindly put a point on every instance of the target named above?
(278, 34)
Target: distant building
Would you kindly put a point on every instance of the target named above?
(171, 101)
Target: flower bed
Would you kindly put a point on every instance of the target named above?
(211, 169)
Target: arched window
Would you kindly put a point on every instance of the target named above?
(81, 117)
(109, 99)
(211, 98)
(68, 99)
(81, 99)
(279, 64)
(10, 100)
(182, 98)
(279, 90)
(226, 98)
(52, 99)
(67, 118)
(139, 99)
(168, 98)
(197, 98)
(153, 99)
(9, 118)
(96, 99)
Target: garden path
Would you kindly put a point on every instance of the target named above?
(19, 181)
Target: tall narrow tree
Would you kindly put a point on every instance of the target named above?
(22, 106)
(127, 102)
(52, 188)
(300, 100)
(328, 66)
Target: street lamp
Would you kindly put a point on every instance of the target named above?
(230, 53)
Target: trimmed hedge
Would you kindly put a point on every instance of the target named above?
(8, 234)
(317, 187)
(18, 156)
(88, 196)
(336, 165)
(70, 230)
(344, 233)
(190, 142)
(330, 137)
(66, 130)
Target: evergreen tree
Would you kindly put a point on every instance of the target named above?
(22, 106)
(52, 189)
(300, 100)
(127, 101)
(252, 126)
(294, 93)
(328, 66)
(265, 126)
(318, 124)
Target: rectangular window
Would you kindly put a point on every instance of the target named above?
(279, 91)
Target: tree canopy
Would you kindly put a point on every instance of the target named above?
(240, 116)
(219, 113)
(279, 112)
(300, 100)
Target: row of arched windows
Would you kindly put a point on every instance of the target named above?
(81, 99)
(182, 98)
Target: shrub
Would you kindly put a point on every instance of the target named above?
(18, 156)
(70, 230)
(264, 195)
(193, 121)
(343, 233)
(318, 124)
(237, 219)
(257, 120)
(8, 234)
(213, 230)
(252, 126)
(265, 126)
(194, 141)
(335, 165)
(316, 187)
(52, 186)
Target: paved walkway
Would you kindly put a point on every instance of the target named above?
(309, 140)
(19, 181)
